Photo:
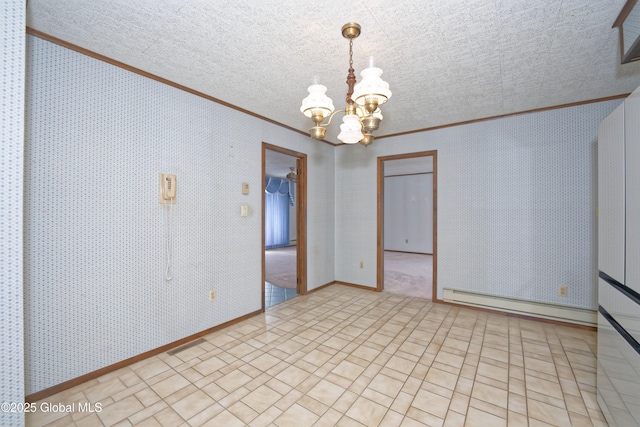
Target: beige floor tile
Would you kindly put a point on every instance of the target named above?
(515, 419)
(348, 370)
(544, 387)
(317, 357)
(292, 376)
(386, 385)
(548, 413)
(424, 418)
(442, 378)
(180, 394)
(478, 418)
(233, 381)
(494, 372)
(517, 403)
(243, 412)
(148, 411)
(450, 359)
(288, 400)
(209, 366)
(151, 369)
(226, 419)
(490, 408)
(261, 398)
(192, 404)
(103, 390)
(490, 394)
(170, 385)
(431, 403)
(296, 416)
(401, 365)
(464, 386)
(366, 412)
(120, 410)
(348, 357)
(266, 418)
(93, 420)
(495, 354)
(233, 397)
(326, 392)
(454, 419)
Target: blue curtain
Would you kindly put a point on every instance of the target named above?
(279, 196)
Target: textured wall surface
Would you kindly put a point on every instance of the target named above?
(96, 236)
(408, 213)
(12, 45)
(516, 201)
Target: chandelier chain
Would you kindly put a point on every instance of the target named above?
(350, 53)
(351, 77)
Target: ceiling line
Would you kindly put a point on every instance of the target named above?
(138, 71)
(484, 119)
(111, 61)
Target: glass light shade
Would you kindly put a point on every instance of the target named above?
(350, 129)
(317, 101)
(371, 85)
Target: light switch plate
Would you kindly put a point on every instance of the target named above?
(245, 188)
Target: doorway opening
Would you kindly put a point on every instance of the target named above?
(407, 233)
(284, 273)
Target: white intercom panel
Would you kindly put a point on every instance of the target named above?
(167, 189)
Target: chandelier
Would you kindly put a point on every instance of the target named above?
(362, 113)
(292, 176)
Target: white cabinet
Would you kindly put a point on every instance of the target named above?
(632, 171)
(618, 378)
(611, 195)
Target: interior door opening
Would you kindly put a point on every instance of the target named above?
(283, 225)
(407, 250)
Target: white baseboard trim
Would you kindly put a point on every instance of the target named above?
(562, 313)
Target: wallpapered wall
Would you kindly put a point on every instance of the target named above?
(408, 213)
(516, 201)
(96, 236)
(12, 44)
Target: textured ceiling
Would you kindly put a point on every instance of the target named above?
(278, 164)
(446, 61)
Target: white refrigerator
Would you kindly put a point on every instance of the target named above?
(618, 372)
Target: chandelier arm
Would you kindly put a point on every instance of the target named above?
(330, 118)
(361, 109)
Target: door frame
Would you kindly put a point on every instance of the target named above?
(380, 207)
(301, 216)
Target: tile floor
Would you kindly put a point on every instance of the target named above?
(275, 294)
(348, 357)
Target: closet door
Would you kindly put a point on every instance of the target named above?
(611, 195)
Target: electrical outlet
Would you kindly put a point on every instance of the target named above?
(562, 291)
(212, 295)
(361, 264)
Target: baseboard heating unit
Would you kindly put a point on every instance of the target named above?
(561, 313)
